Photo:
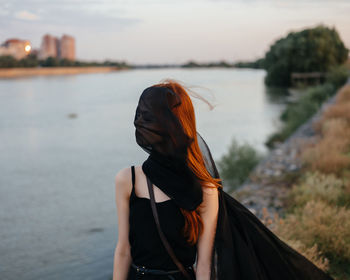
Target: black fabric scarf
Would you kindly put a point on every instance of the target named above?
(175, 179)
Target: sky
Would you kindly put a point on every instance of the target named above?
(164, 31)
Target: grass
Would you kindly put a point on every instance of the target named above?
(317, 221)
(326, 226)
(297, 113)
(321, 187)
(330, 154)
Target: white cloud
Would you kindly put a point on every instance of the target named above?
(25, 15)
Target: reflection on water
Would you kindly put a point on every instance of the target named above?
(64, 138)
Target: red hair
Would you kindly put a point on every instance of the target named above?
(185, 113)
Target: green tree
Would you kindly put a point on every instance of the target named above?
(312, 50)
(50, 62)
(8, 61)
(29, 61)
(66, 62)
(191, 64)
(257, 64)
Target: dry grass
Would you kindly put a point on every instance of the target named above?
(319, 204)
(343, 95)
(338, 110)
(312, 253)
(330, 154)
(276, 224)
(324, 187)
(322, 224)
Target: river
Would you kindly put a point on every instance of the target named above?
(62, 140)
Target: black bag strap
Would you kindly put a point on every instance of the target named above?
(161, 234)
(133, 175)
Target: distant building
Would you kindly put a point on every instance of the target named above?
(67, 47)
(16, 48)
(49, 47)
(58, 48)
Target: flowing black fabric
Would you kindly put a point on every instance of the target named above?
(244, 248)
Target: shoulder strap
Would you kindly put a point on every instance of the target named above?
(161, 234)
(133, 175)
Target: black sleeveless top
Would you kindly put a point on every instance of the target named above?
(146, 246)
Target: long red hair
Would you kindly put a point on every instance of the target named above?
(185, 113)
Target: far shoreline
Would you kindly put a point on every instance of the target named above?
(48, 71)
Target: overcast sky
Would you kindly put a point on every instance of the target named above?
(164, 31)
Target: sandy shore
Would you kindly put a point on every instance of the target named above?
(23, 72)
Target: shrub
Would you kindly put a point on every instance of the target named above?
(299, 112)
(318, 223)
(323, 187)
(236, 165)
(338, 76)
(310, 100)
(312, 253)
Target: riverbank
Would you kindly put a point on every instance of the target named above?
(46, 71)
(269, 183)
(305, 180)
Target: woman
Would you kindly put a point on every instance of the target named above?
(203, 224)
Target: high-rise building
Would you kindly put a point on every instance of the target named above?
(67, 47)
(16, 48)
(58, 48)
(49, 47)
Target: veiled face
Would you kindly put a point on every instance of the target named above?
(148, 130)
(157, 128)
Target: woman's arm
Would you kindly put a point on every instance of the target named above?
(122, 257)
(208, 212)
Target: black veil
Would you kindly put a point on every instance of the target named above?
(244, 248)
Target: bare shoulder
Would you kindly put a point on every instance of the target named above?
(123, 181)
(210, 201)
(123, 174)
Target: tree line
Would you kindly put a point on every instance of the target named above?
(8, 61)
(318, 49)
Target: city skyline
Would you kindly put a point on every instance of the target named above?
(63, 47)
(170, 32)
(51, 46)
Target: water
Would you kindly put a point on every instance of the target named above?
(57, 210)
